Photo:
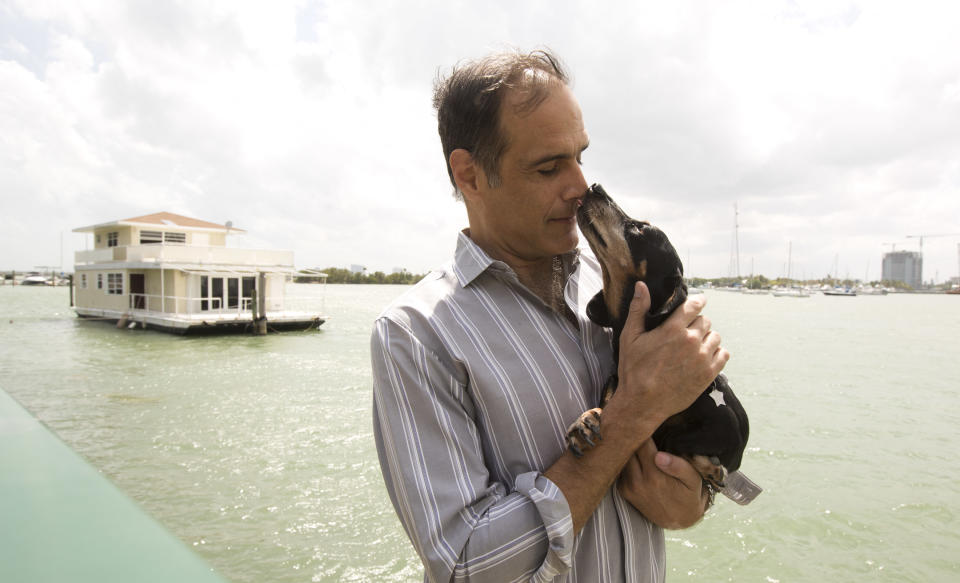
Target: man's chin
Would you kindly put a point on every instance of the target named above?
(568, 244)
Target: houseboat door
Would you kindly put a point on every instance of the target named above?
(137, 300)
(219, 293)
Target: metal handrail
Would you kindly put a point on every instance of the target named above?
(150, 303)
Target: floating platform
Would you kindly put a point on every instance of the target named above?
(195, 324)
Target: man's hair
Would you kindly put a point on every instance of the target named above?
(468, 103)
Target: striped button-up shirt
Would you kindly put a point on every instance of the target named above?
(475, 382)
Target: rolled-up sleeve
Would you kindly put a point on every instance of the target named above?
(463, 525)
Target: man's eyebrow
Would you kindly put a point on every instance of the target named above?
(552, 157)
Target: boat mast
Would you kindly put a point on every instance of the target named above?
(734, 268)
(789, 254)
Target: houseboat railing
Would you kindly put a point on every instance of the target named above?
(185, 254)
(186, 305)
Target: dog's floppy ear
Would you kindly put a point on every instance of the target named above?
(597, 311)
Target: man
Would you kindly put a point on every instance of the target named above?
(479, 369)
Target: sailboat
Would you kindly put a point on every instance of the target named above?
(837, 290)
(792, 291)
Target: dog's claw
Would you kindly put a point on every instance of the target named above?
(583, 432)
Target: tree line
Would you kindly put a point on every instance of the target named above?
(761, 282)
(338, 275)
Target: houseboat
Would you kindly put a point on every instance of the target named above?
(176, 274)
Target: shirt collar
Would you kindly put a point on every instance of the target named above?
(470, 261)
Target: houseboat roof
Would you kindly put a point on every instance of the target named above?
(163, 219)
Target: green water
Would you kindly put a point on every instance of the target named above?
(258, 452)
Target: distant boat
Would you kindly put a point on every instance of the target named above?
(793, 292)
(790, 292)
(694, 290)
(872, 291)
(35, 279)
(840, 291)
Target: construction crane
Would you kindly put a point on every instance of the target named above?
(925, 236)
(922, 237)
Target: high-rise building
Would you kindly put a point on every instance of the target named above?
(905, 266)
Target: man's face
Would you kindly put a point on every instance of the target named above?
(531, 214)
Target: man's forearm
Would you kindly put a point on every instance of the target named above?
(584, 481)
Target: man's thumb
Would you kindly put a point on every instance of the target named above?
(638, 308)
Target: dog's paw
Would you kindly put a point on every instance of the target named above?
(584, 432)
(710, 470)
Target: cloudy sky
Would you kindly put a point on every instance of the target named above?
(834, 126)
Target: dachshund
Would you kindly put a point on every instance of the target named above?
(712, 433)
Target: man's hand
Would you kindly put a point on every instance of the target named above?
(664, 488)
(663, 371)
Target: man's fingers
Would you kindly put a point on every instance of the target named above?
(688, 314)
(701, 323)
(680, 469)
(638, 309)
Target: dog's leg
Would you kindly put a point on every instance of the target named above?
(582, 432)
(710, 469)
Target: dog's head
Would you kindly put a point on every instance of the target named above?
(629, 251)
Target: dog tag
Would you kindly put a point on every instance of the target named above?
(740, 488)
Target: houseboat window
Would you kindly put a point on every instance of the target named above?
(113, 239)
(248, 284)
(233, 292)
(115, 283)
(151, 237)
(99, 281)
(83, 281)
(179, 238)
(204, 292)
(216, 292)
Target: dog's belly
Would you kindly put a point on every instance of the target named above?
(713, 426)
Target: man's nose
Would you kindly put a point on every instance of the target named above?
(577, 186)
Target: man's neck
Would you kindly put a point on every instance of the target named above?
(544, 277)
(539, 277)
(535, 273)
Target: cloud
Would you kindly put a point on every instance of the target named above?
(833, 126)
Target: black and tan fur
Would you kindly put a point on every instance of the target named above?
(709, 435)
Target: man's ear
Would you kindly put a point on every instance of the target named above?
(466, 173)
(597, 311)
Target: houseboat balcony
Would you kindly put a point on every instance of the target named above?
(160, 254)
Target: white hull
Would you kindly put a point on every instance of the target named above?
(791, 293)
